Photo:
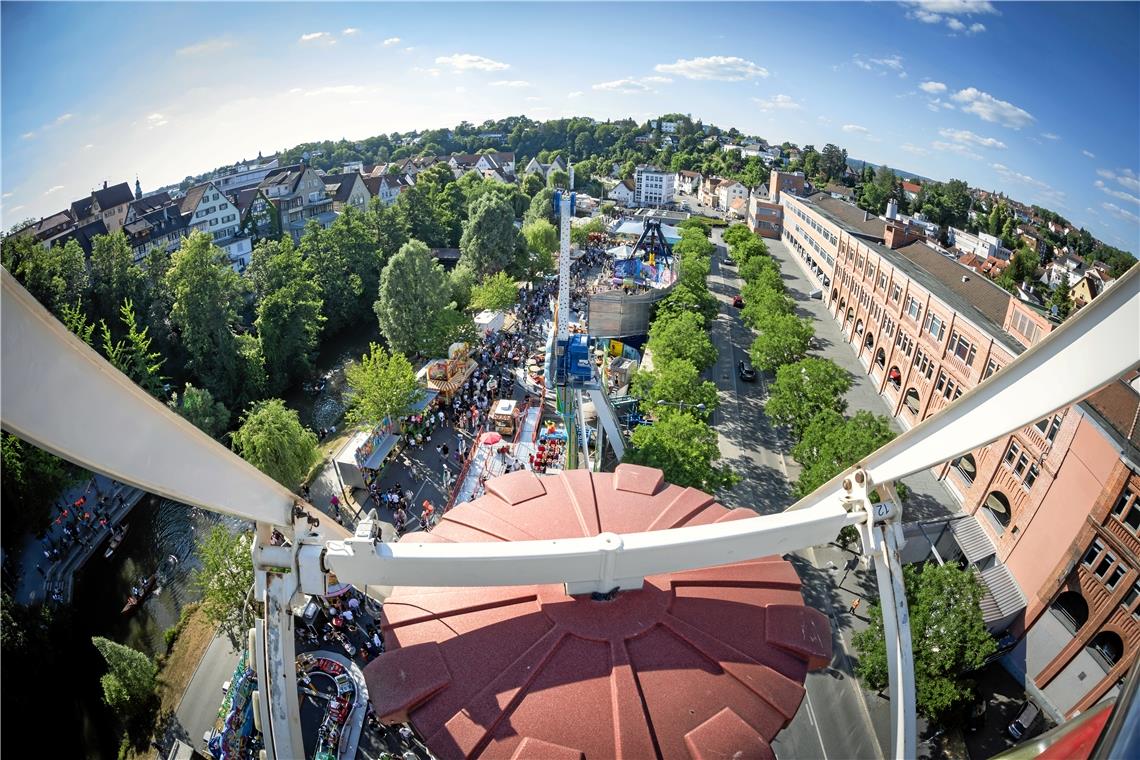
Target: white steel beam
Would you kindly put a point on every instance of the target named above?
(599, 563)
(59, 394)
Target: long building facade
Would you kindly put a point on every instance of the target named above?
(1051, 513)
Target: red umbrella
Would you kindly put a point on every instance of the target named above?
(490, 439)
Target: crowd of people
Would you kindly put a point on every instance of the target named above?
(78, 524)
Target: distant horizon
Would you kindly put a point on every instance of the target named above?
(941, 88)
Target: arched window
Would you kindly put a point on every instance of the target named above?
(966, 467)
(859, 327)
(869, 342)
(1072, 609)
(881, 357)
(1107, 648)
(911, 400)
(894, 377)
(850, 315)
(834, 294)
(998, 506)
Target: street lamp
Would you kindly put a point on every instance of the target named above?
(680, 404)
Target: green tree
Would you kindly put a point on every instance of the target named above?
(199, 407)
(736, 234)
(414, 309)
(289, 317)
(224, 580)
(1060, 298)
(558, 179)
(56, 276)
(381, 386)
(764, 304)
(830, 444)
(417, 215)
(390, 232)
(531, 184)
(675, 381)
(783, 339)
(114, 276)
(948, 635)
(684, 448)
(496, 293)
(130, 683)
(541, 206)
(491, 243)
(542, 242)
(133, 355)
(272, 439)
(804, 389)
(749, 249)
(207, 294)
(682, 336)
(75, 320)
(833, 162)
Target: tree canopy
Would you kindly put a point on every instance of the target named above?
(225, 578)
(830, 444)
(272, 439)
(783, 339)
(131, 679)
(948, 634)
(199, 407)
(381, 386)
(413, 284)
(289, 318)
(804, 389)
(496, 293)
(491, 243)
(684, 448)
(675, 381)
(682, 336)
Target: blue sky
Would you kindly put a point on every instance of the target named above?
(1041, 101)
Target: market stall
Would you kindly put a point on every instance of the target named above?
(234, 735)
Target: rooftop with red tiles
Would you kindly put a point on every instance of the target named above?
(697, 664)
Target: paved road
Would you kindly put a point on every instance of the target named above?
(196, 713)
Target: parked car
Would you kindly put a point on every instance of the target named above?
(738, 302)
(728, 262)
(1026, 721)
(746, 371)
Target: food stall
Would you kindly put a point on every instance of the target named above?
(446, 376)
(503, 416)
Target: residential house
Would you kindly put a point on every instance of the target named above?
(147, 204)
(688, 182)
(298, 193)
(348, 191)
(623, 193)
(729, 191)
(156, 228)
(387, 187)
(840, 191)
(207, 208)
(1058, 228)
(233, 179)
(667, 127)
(653, 186)
(544, 170)
(1086, 289)
(259, 217)
(911, 190)
(51, 226)
(982, 244)
(84, 234)
(643, 139)
(107, 204)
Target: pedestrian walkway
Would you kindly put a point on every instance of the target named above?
(84, 520)
(929, 497)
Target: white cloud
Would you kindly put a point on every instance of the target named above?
(966, 136)
(339, 90)
(855, 129)
(1120, 194)
(156, 120)
(657, 80)
(623, 87)
(27, 135)
(7, 195)
(1050, 136)
(14, 209)
(948, 11)
(576, 94)
(88, 146)
(915, 150)
(1087, 153)
(532, 98)
(716, 67)
(324, 37)
(349, 31)
(1008, 173)
(53, 189)
(891, 63)
(777, 103)
(1120, 213)
(1126, 177)
(206, 47)
(409, 49)
(988, 108)
(955, 148)
(932, 87)
(61, 119)
(469, 62)
(432, 72)
(392, 41)
(511, 83)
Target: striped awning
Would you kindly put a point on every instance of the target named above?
(1002, 597)
(972, 539)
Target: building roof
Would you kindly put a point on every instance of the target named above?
(977, 294)
(115, 195)
(738, 635)
(687, 173)
(244, 199)
(911, 187)
(51, 222)
(846, 192)
(158, 222)
(856, 220)
(1118, 404)
(189, 202)
(339, 186)
(81, 209)
(286, 175)
(149, 203)
(84, 235)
